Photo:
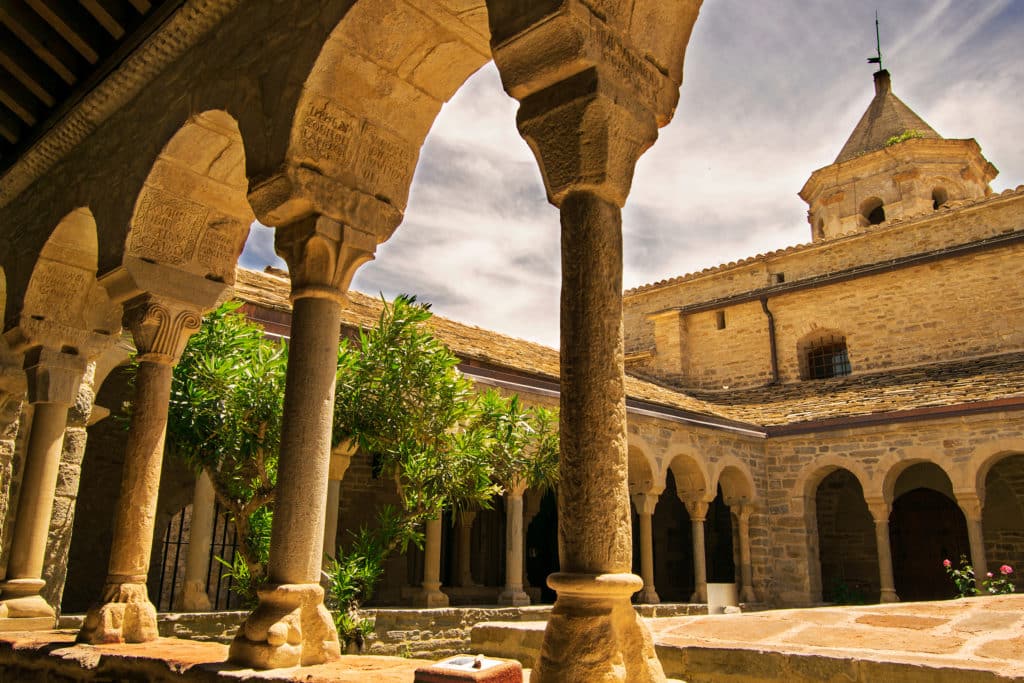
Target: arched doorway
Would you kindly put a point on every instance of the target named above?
(1003, 516)
(926, 527)
(719, 548)
(673, 546)
(847, 549)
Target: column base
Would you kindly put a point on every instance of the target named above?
(289, 627)
(889, 595)
(700, 595)
(23, 609)
(648, 596)
(594, 634)
(430, 596)
(194, 598)
(125, 615)
(747, 595)
(514, 597)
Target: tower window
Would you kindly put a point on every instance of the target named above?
(720, 319)
(873, 211)
(939, 197)
(827, 358)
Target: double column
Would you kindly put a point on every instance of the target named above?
(160, 327)
(53, 378)
(291, 626)
(880, 512)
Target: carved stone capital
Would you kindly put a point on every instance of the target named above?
(322, 256)
(971, 503)
(697, 509)
(53, 376)
(880, 510)
(645, 503)
(161, 327)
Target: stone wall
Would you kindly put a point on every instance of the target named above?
(891, 319)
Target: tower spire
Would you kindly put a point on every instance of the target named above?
(878, 46)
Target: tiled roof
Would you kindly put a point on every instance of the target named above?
(886, 116)
(468, 342)
(953, 383)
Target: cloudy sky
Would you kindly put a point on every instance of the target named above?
(769, 95)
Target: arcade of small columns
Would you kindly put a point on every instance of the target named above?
(594, 88)
(741, 501)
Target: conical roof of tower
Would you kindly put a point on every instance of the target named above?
(885, 117)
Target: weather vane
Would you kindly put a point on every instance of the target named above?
(878, 46)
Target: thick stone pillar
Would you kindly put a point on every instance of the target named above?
(430, 594)
(465, 575)
(972, 505)
(160, 328)
(194, 595)
(514, 593)
(291, 626)
(11, 403)
(698, 511)
(53, 381)
(880, 511)
(645, 504)
(743, 513)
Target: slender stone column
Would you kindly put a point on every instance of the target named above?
(747, 593)
(698, 513)
(645, 503)
(880, 511)
(194, 597)
(466, 518)
(514, 593)
(291, 626)
(430, 594)
(160, 328)
(972, 505)
(53, 381)
(341, 458)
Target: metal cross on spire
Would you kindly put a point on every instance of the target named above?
(878, 46)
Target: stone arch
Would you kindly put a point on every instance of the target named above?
(63, 297)
(366, 107)
(847, 551)
(872, 211)
(641, 474)
(733, 476)
(691, 480)
(1002, 495)
(927, 526)
(980, 467)
(192, 213)
(808, 481)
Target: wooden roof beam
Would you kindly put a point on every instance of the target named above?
(39, 37)
(74, 25)
(19, 100)
(110, 15)
(29, 69)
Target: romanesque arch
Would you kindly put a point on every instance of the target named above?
(1002, 493)
(927, 526)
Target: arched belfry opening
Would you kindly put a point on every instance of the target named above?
(873, 211)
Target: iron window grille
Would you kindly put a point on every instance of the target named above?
(828, 358)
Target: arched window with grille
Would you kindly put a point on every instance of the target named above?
(824, 356)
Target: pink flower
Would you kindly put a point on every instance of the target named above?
(1006, 569)
(989, 575)
(947, 564)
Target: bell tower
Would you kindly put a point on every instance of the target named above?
(893, 165)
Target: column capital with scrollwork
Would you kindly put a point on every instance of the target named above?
(323, 256)
(161, 327)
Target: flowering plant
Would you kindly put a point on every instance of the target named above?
(966, 586)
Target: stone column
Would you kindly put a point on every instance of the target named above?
(514, 593)
(698, 511)
(194, 596)
(466, 518)
(972, 505)
(341, 458)
(291, 626)
(747, 593)
(160, 328)
(53, 381)
(430, 594)
(645, 503)
(11, 402)
(880, 512)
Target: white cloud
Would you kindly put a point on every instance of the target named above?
(770, 95)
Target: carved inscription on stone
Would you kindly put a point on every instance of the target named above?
(166, 227)
(343, 144)
(630, 66)
(56, 292)
(218, 248)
